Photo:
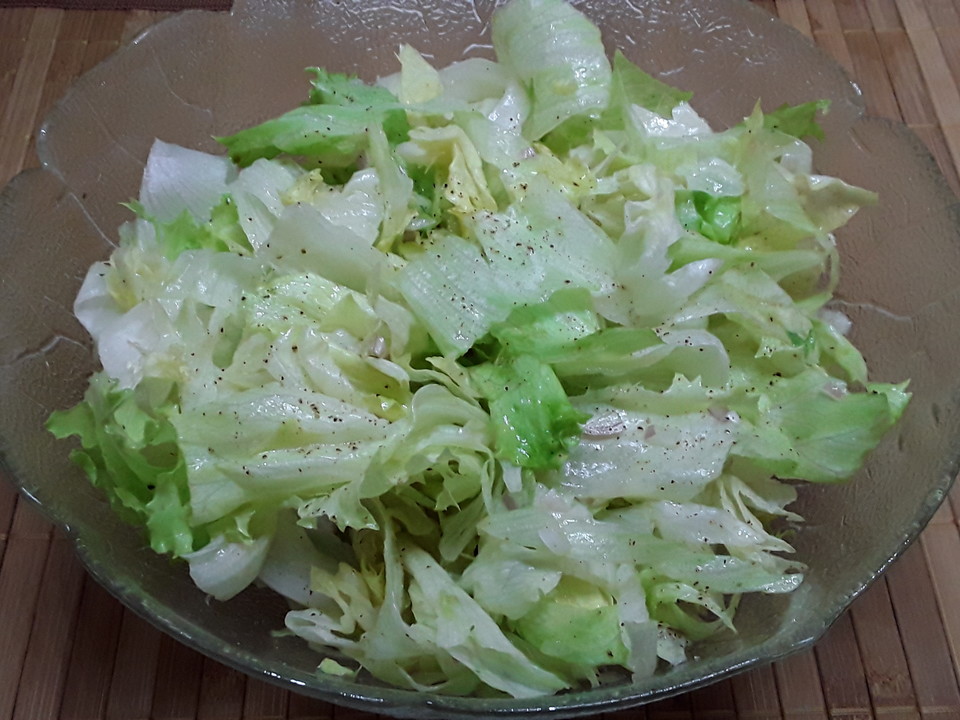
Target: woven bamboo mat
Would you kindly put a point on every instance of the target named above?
(67, 649)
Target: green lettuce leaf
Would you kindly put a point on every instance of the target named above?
(811, 427)
(558, 56)
(533, 421)
(716, 217)
(630, 85)
(800, 121)
(131, 451)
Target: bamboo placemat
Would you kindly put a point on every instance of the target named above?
(155, 5)
(69, 650)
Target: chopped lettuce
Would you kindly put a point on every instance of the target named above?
(533, 420)
(557, 56)
(130, 449)
(798, 120)
(500, 372)
(630, 85)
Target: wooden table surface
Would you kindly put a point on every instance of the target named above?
(68, 649)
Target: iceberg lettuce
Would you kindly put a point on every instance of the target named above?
(500, 373)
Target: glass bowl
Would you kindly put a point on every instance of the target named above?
(198, 75)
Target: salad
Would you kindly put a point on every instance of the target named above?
(500, 373)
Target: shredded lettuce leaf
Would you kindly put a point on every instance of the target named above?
(503, 373)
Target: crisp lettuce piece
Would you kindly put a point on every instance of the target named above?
(457, 623)
(396, 189)
(221, 233)
(577, 623)
(830, 202)
(131, 451)
(465, 186)
(357, 205)
(259, 192)
(419, 80)
(533, 420)
(335, 135)
(630, 85)
(798, 120)
(179, 180)
(461, 289)
(331, 128)
(547, 329)
(716, 217)
(643, 455)
(327, 88)
(811, 427)
(558, 56)
(222, 568)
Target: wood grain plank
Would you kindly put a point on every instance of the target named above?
(19, 117)
(798, 682)
(950, 43)
(20, 580)
(637, 713)
(49, 60)
(221, 692)
(106, 37)
(51, 635)
(884, 15)
(953, 498)
(936, 72)
(943, 515)
(854, 15)
(823, 16)
(835, 45)
(941, 546)
(264, 700)
(841, 672)
(943, 14)
(672, 708)
(92, 657)
(906, 80)
(177, 689)
(942, 84)
(345, 713)
(884, 660)
(16, 22)
(29, 523)
(135, 670)
(794, 13)
(755, 694)
(871, 74)
(14, 31)
(922, 634)
(8, 503)
(828, 32)
(914, 14)
(896, 714)
(84, 39)
(714, 702)
(301, 707)
(13, 38)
